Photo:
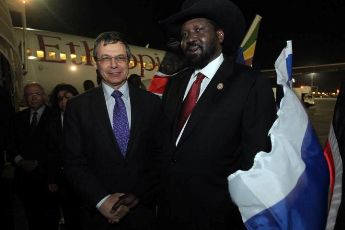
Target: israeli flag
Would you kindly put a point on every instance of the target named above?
(288, 187)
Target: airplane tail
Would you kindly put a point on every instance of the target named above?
(247, 48)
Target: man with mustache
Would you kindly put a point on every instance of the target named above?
(220, 113)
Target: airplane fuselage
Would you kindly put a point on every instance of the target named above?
(55, 58)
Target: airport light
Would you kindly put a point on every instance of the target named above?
(73, 68)
(312, 79)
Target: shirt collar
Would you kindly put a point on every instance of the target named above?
(109, 90)
(210, 70)
(39, 111)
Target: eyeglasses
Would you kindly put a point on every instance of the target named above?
(33, 94)
(120, 59)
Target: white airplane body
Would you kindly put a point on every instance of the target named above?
(50, 58)
(54, 58)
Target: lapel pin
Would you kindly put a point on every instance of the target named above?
(220, 86)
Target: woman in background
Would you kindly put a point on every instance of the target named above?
(56, 180)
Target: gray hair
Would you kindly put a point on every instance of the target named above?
(110, 37)
(34, 84)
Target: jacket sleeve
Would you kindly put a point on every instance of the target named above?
(75, 162)
(258, 117)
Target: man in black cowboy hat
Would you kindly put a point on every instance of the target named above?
(220, 114)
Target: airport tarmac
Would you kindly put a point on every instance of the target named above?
(321, 115)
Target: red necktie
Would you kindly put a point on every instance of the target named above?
(190, 101)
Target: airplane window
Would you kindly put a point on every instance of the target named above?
(150, 65)
(73, 57)
(52, 55)
(83, 58)
(131, 63)
(40, 54)
(29, 54)
(28, 51)
(63, 56)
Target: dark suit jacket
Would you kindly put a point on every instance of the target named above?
(31, 186)
(94, 164)
(55, 146)
(227, 127)
(31, 146)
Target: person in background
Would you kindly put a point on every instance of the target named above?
(56, 180)
(135, 80)
(28, 147)
(113, 138)
(88, 84)
(220, 113)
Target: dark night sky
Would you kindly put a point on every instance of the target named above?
(315, 26)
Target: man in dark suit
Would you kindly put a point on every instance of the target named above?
(113, 141)
(28, 146)
(219, 119)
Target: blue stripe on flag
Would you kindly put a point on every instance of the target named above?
(301, 208)
(240, 56)
(289, 66)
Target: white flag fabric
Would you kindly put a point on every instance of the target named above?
(288, 187)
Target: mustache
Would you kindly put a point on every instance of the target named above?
(193, 45)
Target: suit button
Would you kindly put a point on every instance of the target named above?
(173, 161)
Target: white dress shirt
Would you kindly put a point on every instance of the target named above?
(209, 71)
(40, 111)
(110, 102)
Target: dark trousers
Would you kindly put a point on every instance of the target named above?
(41, 206)
(70, 206)
(6, 218)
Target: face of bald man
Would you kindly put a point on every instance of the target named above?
(34, 96)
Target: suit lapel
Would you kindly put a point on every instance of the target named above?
(180, 91)
(43, 119)
(135, 118)
(26, 119)
(103, 120)
(217, 86)
(44, 116)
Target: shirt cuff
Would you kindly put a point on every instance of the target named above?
(101, 202)
(18, 158)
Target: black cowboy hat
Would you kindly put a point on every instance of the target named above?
(223, 12)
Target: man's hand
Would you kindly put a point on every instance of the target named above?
(53, 187)
(28, 165)
(123, 206)
(106, 208)
(129, 200)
